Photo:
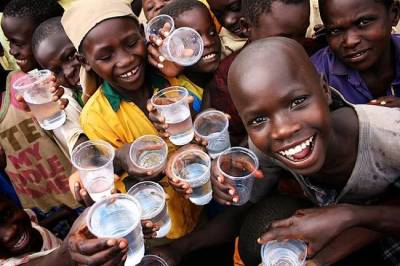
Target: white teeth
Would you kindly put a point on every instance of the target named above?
(130, 73)
(292, 151)
(21, 61)
(21, 240)
(210, 56)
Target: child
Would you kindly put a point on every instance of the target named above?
(361, 60)
(108, 37)
(348, 154)
(151, 8)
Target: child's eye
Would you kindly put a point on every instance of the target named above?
(132, 43)
(334, 32)
(235, 7)
(298, 101)
(364, 22)
(104, 58)
(258, 121)
(212, 33)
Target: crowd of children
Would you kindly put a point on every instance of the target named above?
(319, 104)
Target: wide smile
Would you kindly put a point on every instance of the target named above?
(131, 74)
(300, 152)
(209, 58)
(21, 61)
(357, 56)
(21, 242)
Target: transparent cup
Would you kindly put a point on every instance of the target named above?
(118, 216)
(151, 197)
(34, 88)
(149, 153)
(152, 260)
(238, 165)
(213, 126)
(172, 103)
(94, 161)
(291, 252)
(193, 167)
(154, 26)
(183, 46)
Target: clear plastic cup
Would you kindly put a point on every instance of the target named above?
(151, 197)
(152, 260)
(193, 167)
(149, 153)
(154, 26)
(172, 103)
(34, 88)
(183, 46)
(94, 161)
(291, 252)
(238, 165)
(118, 216)
(213, 126)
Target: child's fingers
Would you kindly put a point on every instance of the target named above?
(154, 62)
(155, 40)
(87, 200)
(190, 99)
(22, 103)
(63, 103)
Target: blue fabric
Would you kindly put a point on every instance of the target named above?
(7, 188)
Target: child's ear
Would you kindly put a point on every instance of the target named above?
(83, 62)
(395, 13)
(245, 27)
(326, 90)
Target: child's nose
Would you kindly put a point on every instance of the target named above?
(284, 127)
(351, 38)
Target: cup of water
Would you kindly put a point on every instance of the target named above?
(157, 23)
(34, 88)
(149, 153)
(151, 197)
(94, 161)
(118, 216)
(213, 126)
(152, 260)
(238, 165)
(172, 103)
(193, 167)
(183, 46)
(290, 252)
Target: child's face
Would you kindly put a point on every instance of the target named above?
(359, 31)
(115, 50)
(293, 24)
(200, 20)
(285, 112)
(15, 229)
(58, 54)
(19, 32)
(229, 13)
(151, 8)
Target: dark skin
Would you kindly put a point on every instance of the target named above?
(359, 34)
(151, 8)
(229, 13)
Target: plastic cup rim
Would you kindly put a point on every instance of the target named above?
(109, 198)
(151, 21)
(243, 150)
(298, 241)
(171, 88)
(196, 122)
(159, 188)
(46, 74)
(92, 142)
(164, 148)
(157, 258)
(191, 151)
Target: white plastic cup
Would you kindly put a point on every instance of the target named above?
(94, 161)
(291, 252)
(152, 260)
(118, 216)
(149, 153)
(213, 126)
(154, 26)
(238, 166)
(193, 167)
(183, 46)
(34, 88)
(151, 197)
(172, 103)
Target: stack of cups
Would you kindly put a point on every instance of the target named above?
(151, 197)
(291, 252)
(118, 216)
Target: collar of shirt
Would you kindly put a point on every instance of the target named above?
(112, 97)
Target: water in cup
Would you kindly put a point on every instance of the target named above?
(151, 197)
(150, 159)
(180, 126)
(98, 185)
(284, 253)
(118, 216)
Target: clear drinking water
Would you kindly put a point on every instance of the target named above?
(157, 23)
(284, 253)
(34, 88)
(150, 159)
(151, 197)
(193, 167)
(98, 186)
(118, 216)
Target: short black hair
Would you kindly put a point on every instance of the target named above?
(37, 10)
(253, 9)
(321, 3)
(260, 216)
(45, 30)
(176, 8)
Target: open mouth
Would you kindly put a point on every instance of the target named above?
(209, 57)
(21, 61)
(22, 242)
(131, 73)
(299, 152)
(356, 56)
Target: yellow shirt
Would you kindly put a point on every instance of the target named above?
(110, 118)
